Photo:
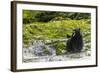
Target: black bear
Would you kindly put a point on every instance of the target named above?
(75, 43)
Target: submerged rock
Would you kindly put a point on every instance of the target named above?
(39, 48)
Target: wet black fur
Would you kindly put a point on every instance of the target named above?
(75, 43)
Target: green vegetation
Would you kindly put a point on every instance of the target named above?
(42, 25)
(30, 16)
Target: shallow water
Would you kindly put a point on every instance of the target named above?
(36, 53)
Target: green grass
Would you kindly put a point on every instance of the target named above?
(54, 30)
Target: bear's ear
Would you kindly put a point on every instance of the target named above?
(76, 29)
(79, 28)
(73, 29)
